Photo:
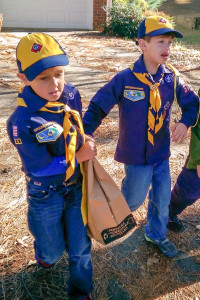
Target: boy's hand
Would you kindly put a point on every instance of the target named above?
(88, 151)
(198, 171)
(179, 132)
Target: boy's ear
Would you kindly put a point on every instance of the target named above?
(142, 44)
(23, 78)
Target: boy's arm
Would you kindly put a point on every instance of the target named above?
(102, 103)
(198, 170)
(88, 151)
(34, 156)
(194, 156)
(58, 163)
(188, 102)
(93, 118)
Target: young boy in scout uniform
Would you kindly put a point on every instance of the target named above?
(46, 129)
(187, 188)
(145, 93)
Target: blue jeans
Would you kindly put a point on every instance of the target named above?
(185, 192)
(55, 220)
(135, 187)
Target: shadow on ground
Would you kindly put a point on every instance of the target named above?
(125, 270)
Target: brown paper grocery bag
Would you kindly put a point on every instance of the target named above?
(109, 217)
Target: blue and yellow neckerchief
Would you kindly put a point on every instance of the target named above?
(155, 118)
(70, 134)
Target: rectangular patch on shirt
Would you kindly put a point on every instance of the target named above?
(48, 124)
(133, 88)
(134, 95)
(18, 141)
(15, 131)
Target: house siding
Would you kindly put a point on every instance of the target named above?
(65, 14)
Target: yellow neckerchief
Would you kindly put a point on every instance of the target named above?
(155, 118)
(70, 134)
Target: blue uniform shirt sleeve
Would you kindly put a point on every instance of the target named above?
(102, 103)
(188, 102)
(93, 118)
(33, 155)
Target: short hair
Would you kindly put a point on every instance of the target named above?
(148, 38)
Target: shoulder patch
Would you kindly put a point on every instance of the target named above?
(186, 88)
(134, 95)
(49, 134)
(15, 131)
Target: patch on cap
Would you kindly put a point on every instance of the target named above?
(36, 48)
(162, 20)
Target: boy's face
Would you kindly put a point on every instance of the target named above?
(157, 50)
(49, 84)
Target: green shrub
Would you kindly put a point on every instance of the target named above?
(124, 19)
(124, 16)
(154, 4)
(147, 4)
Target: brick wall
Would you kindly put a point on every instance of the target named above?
(99, 15)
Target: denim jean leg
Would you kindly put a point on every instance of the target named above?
(136, 183)
(45, 207)
(159, 199)
(78, 246)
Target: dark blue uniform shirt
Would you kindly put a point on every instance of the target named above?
(132, 97)
(28, 127)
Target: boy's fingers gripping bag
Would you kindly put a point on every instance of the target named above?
(109, 217)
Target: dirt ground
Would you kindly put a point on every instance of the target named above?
(127, 269)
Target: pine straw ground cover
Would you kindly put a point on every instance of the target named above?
(129, 268)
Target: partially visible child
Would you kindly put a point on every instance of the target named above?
(145, 93)
(187, 188)
(46, 128)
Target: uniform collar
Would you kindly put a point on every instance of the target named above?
(33, 101)
(139, 67)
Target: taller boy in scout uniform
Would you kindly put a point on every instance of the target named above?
(46, 129)
(144, 93)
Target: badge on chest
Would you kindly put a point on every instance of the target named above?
(134, 95)
(49, 134)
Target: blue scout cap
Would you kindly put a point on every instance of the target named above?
(156, 25)
(37, 52)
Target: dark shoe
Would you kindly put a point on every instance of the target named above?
(165, 246)
(175, 224)
(89, 297)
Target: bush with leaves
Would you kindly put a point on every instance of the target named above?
(124, 19)
(153, 4)
(146, 4)
(124, 16)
